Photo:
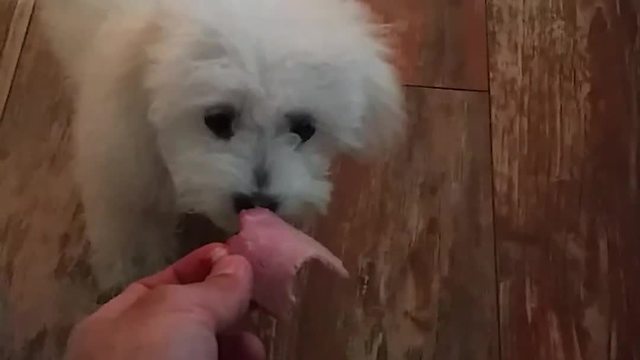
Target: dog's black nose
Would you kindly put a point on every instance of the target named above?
(258, 200)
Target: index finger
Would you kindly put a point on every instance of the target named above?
(192, 268)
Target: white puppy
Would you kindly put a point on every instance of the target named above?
(213, 106)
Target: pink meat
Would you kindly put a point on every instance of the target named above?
(277, 251)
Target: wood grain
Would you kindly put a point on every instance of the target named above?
(415, 231)
(14, 21)
(565, 85)
(45, 282)
(440, 43)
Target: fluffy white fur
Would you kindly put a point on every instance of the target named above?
(145, 72)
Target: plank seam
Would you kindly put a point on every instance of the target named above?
(496, 264)
(445, 88)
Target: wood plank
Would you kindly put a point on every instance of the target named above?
(415, 231)
(440, 43)
(14, 21)
(565, 83)
(44, 278)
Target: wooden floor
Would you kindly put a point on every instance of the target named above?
(508, 227)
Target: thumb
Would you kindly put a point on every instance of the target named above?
(225, 293)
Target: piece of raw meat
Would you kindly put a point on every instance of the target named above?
(277, 251)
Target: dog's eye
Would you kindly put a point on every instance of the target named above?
(302, 124)
(220, 121)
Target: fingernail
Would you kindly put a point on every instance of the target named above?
(227, 267)
(218, 253)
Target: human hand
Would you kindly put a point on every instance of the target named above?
(183, 312)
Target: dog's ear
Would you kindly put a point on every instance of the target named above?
(384, 119)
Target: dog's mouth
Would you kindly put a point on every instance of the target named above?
(195, 230)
